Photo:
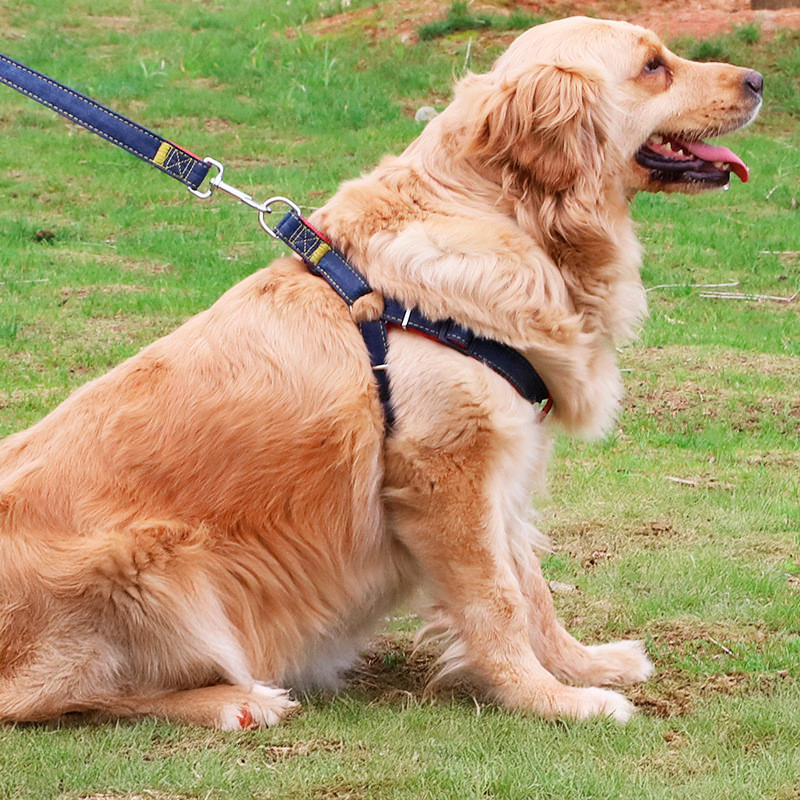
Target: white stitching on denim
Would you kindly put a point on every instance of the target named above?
(83, 123)
(88, 100)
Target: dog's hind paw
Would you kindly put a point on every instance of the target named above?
(261, 706)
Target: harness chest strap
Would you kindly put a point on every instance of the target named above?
(323, 260)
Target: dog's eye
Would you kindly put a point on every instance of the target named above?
(653, 65)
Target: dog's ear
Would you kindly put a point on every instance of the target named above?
(552, 123)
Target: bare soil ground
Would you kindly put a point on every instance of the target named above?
(670, 19)
(673, 18)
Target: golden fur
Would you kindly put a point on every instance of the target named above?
(222, 515)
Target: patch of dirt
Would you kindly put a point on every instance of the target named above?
(693, 636)
(148, 796)
(594, 542)
(670, 19)
(202, 82)
(81, 292)
(247, 163)
(685, 405)
(107, 257)
(218, 125)
(48, 396)
(662, 401)
(699, 359)
(130, 329)
(675, 693)
(281, 752)
(776, 460)
(671, 761)
(393, 670)
(785, 414)
(165, 745)
(398, 20)
(120, 24)
(657, 527)
(595, 558)
(9, 33)
(344, 792)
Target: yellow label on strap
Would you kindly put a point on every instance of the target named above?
(316, 256)
(161, 154)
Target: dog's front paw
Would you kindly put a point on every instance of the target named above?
(617, 664)
(605, 703)
(554, 701)
(261, 706)
(575, 704)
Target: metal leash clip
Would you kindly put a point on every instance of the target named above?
(263, 208)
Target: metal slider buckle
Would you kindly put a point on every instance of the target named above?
(263, 208)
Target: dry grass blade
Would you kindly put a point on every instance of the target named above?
(692, 286)
(757, 297)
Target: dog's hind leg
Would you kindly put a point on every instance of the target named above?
(221, 706)
(72, 667)
(229, 708)
(616, 663)
(131, 625)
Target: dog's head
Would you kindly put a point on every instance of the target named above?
(582, 101)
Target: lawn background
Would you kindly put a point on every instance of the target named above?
(680, 528)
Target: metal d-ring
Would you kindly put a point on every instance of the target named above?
(265, 209)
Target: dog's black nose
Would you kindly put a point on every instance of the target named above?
(754, 81)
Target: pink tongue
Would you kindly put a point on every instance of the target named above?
(710, 152)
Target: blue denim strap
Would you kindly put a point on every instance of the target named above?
(157, 151)
(504, 360)
(323, 260)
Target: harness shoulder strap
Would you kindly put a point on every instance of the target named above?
(326, 262)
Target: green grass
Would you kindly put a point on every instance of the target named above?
(680, 528)
(460, 18)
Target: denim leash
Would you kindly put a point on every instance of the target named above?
(319, 255)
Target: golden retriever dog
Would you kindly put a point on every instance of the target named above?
(224, 518)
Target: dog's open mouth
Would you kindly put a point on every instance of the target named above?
(672, 160)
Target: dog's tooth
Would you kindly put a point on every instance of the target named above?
(718, 164)
(657, 139)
